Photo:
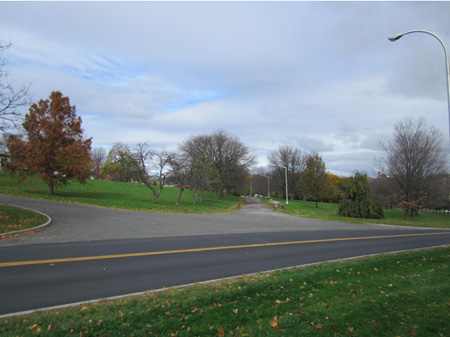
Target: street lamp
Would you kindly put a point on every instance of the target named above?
(395, 37)
(268, 185)
(285, 177)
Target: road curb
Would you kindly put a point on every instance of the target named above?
(25, 231)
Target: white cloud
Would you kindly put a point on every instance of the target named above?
(321, 76)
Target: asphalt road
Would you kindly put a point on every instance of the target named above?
(91, 253)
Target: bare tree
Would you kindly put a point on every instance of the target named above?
(414, 160)
(260, 180)
(98, 156)
(295, 161)
(148, 161)
(232, 159)
(12, 97)
(228, 156)
(201, 164)
(180, 171)
(204, 176)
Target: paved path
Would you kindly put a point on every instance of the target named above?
(72, 222)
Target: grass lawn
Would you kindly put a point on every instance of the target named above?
(15, 218)
(119, 195)
(405, 294)
(138, 197)
(329, 212)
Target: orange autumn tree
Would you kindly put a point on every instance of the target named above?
(53, 148)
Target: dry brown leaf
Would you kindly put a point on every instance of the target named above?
(274, 322)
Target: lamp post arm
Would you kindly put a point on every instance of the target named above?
(395, 37)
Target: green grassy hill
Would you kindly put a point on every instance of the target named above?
(119, 195)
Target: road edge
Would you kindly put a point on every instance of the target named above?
(4, 236)
(118, 297)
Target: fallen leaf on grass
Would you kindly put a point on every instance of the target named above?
(274, 322)
(34, 326)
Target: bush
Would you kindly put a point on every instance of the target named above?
(358, 201)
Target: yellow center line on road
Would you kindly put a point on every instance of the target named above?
(194, 250)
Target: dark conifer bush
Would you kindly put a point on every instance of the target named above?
(359, 202)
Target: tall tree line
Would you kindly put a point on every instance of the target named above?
(307, 178)
(415, 167)
(217, 162)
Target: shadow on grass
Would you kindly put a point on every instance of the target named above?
(86, 195)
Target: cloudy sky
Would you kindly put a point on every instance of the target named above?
(321, 76)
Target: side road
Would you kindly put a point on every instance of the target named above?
(72, 222)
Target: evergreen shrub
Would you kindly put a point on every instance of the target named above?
(359, 202)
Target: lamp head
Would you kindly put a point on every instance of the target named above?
(395, 37)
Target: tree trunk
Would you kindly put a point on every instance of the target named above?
(194, 200)
(179, 196)
(317, 204)
(149, 185)
(50, 189)
(407, 214)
